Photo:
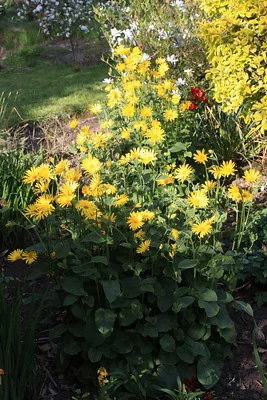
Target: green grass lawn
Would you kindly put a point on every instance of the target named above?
(51, 90)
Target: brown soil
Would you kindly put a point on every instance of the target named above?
(240, 379)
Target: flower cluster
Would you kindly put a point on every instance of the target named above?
(59, 18)
(130, 177)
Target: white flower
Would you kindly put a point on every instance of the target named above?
(171, 59)
(188, 71)
(180, 81)
(107, 80)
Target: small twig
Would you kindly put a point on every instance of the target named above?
(242, 287)
(50, 377)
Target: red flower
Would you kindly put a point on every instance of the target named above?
(208, 396)
(198, 94)
(192, 106)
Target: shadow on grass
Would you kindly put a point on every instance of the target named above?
(49, 89)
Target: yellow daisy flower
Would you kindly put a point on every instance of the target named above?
(125, 134)
(73, 124)
(128, 110)
(170, 115)
(95, 108)
(146, 112)
(183, 173)
(247, 197)
(91, 165)
(198, 198)
(251, 175)
(31, 175)
(15, 255)
(155, 134)
(135, 220)
(234, 193)
(166, 180)
(88, 209)
(29, 256)
(139, 234)
(227, 168)
(121, 200)
(143, 247)
(202, 228)
(147, 156)
(208, 185)
(175, 234)
(61, 167)
(200, 156)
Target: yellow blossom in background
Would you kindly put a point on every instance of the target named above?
(198, 198)
(80, 139)
(45, 172)
(234, 193)
(200, 156)
(146, 112)
(175, 98)
(66, 194)
(227, 168)
(165, 181)
(109, 188)
(147, 156)
(216, 171)
(95, 108)
(88, 209)
(91, 165)
(110, 217)
(73, 174)
(29, 256)
(139, 234)
(107, 124)
(135, 220)
(41, 187)
(202, 228)
(143, 247)
(251, 175)
(114, 98)
(170, 115)
(73, 124)
(143, 67)
(162, 69)
(185, 106)
(128, 110)
(61, 166)
(160, 60)
(183, 173)
(86, 190)
(125, 134)
(102, 376)
(175, 234)
(121, 200)
(31, 175)
(140, 125)
(121, 50)
(15, 255)
(148, 215)
(208, 185)
(247, 197)
(174, 249)
(44, 206)
(155, 134)
(85, 130)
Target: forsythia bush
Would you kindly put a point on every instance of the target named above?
(236, 38)
(133, 229)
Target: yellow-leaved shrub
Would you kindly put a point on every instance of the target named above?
(235, 34)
